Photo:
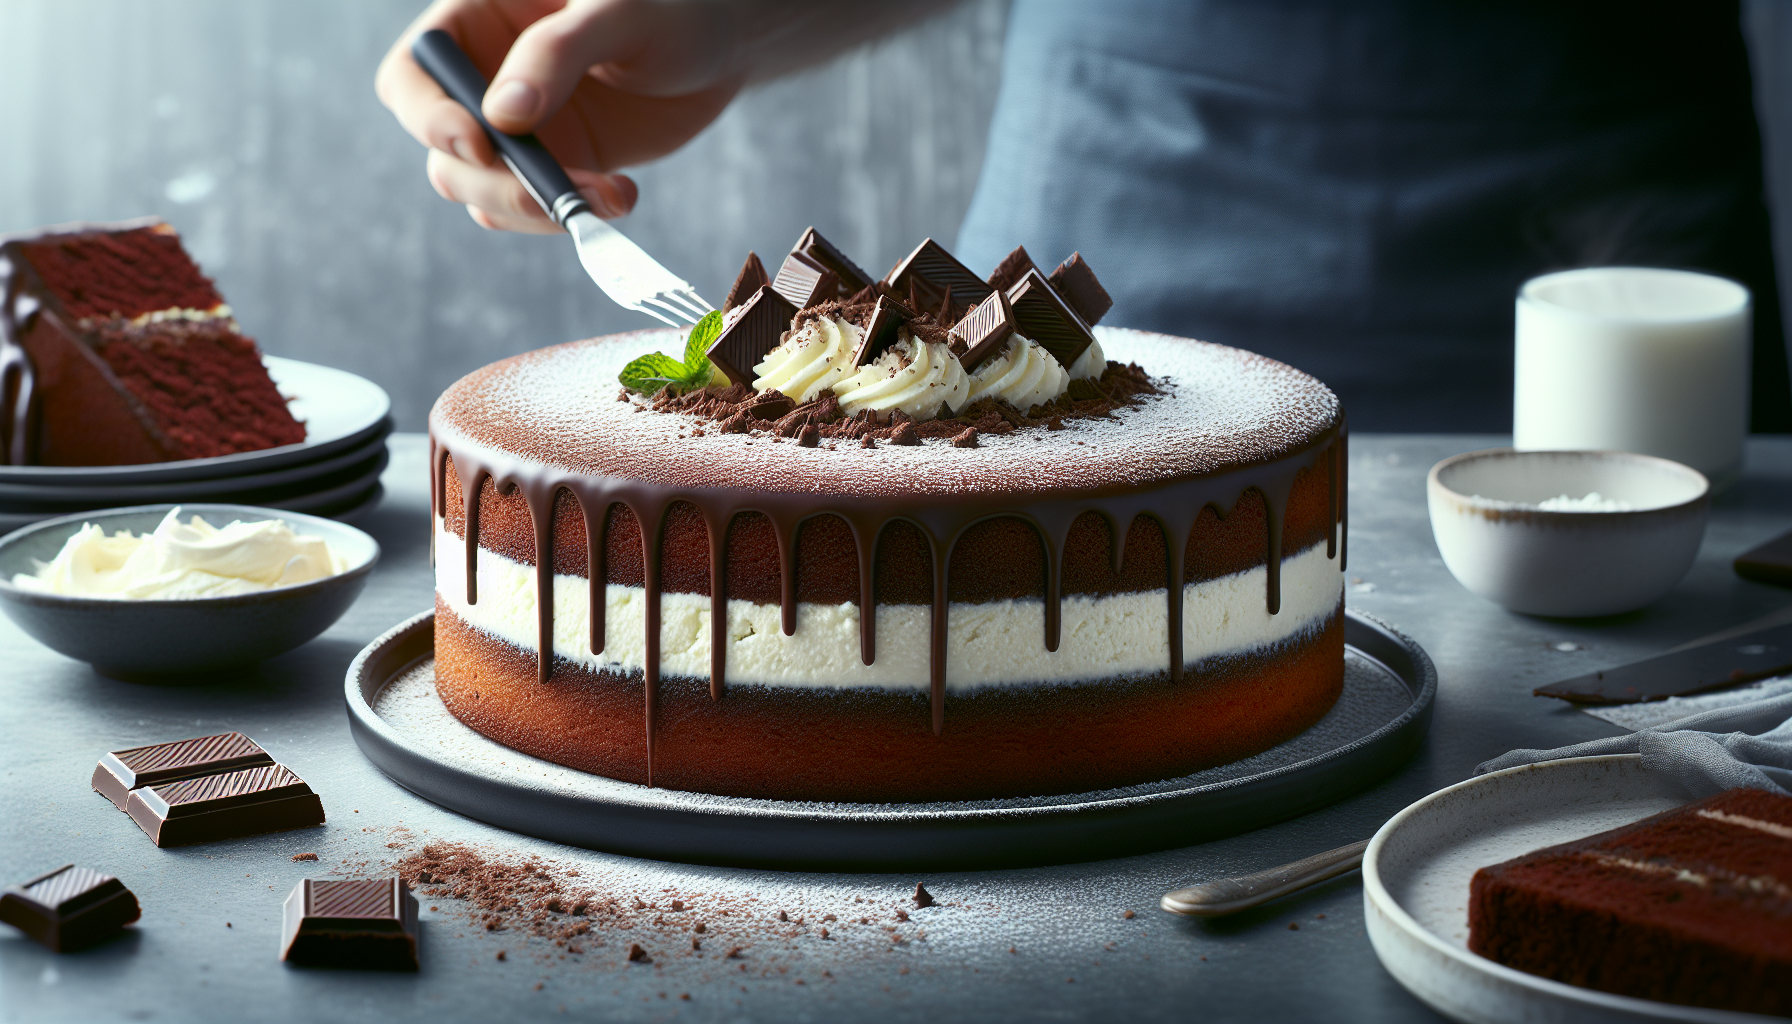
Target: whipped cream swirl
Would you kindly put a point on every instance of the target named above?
(1090, 364)
(914, 376)
(810, 360)
(183, 560)
(1023, 374)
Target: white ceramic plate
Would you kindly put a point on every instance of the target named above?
(338, 408)
(1416, 875)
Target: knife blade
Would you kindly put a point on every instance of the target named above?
(624, 270)
(1710, 666)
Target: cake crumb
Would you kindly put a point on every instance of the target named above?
(638, 955)
(304, 856)
(1129, 915)
(503, 954)
(967, 439)
(1293, 926)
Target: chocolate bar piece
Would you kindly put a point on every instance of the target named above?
(368, 923)
(985, 330)
(880, 331)
(249, 802)
(1714, 665)
(751, 278)
(1013, 267)
(1769, 562)
(121, 771)
(936, 271)
(1041, 314)
(69, 908)
(754, 329)
(804, 282)
(824, 252)
(1076, 283)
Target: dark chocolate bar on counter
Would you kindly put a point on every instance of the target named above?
(267, 798)
(121, 771)
(368, 923)
(69, 908)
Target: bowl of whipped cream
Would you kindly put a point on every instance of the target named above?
(1567, 533)
(170, 592)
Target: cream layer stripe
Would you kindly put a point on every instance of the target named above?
(995, 643)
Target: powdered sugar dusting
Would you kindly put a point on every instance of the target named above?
(1224, 408)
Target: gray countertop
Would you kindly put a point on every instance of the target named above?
(1044, 942)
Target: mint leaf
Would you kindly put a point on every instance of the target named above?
(653, 371)
(703, 334)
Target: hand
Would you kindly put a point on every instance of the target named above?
(603, 83)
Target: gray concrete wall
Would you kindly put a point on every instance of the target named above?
(251, 125)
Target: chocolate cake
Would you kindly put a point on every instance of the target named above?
(886, 584)
(1693, 906)
(115, 349)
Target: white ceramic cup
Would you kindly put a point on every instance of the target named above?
(1634, 359)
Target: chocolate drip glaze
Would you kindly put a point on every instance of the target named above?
(1175, 505)
(17, 383)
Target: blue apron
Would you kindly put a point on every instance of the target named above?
(1360, 188)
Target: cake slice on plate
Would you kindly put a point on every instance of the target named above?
(115, 349)
(1693, 906)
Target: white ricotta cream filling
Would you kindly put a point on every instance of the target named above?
(1001, 643)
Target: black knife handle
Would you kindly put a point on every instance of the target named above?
(533, 165)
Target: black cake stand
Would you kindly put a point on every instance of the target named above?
(402, 726)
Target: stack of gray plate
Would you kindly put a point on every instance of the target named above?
(334, 472)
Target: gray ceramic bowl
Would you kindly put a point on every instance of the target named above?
(164, 641)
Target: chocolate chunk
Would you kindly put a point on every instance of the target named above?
(751, 278)
(1077, 285)
(638, 955)
(929, 271)
(69, 908)
(771, 404)
(269, 798)
(852, 277)
(365, 923)
(880, 333)
(1013, 267)
(756, 329)
(804, 282)
(965, 439)
(121, 771)
(809, 436)
(904, 434)
(923, 898)
(985, 331)
(1040, 314)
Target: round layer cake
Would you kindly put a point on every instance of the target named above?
(914, 622)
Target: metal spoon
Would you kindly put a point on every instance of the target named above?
(1230, 895)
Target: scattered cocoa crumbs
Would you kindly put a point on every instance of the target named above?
(304, 856)
(738, 410)
(1129, 915)
(901, 915)
(734, 954)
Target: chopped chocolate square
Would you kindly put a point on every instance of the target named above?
(929, 271)
(985, 331)
(1013, 267)
(1040, 314)
(69, 908)
(804, 282)
(754, 331)
(880, 333)
(824, 252)
(365, 923)
(965, 439)
(1076, 282)
(268, 798)
(751, 278)
(121, 771)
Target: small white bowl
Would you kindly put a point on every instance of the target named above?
(1500, 545)
(190, 639)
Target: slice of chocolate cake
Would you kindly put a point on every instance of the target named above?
(115, 349)
(1693, 906)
